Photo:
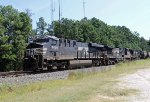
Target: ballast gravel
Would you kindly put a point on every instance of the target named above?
(27, 79)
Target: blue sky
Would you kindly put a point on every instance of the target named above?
(134, 14)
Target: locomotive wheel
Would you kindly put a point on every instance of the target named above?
(50, 68)
(59, 68)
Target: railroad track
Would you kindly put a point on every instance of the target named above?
(22, 78)
(13, 74)
(23, 73)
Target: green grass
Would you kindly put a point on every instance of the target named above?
(79, 87)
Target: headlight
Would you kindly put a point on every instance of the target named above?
(41, 51)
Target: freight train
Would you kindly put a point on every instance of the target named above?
(48, 52)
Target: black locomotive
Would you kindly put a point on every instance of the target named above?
(47, 52)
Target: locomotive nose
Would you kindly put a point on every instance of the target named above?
(33, 57)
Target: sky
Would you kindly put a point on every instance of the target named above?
(134, 14)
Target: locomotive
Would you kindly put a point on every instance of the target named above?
(48, 52)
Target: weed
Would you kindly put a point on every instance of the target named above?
(79, 86)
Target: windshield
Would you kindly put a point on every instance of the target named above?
(41, 40)
(54, 42)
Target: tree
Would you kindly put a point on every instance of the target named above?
(143, 44)
(49, 30)
(16, 28)
(41, 26)
(3, 40)
(149, 42)
(6, 56)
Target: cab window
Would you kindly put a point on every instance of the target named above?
(41, 40)
(54, 42)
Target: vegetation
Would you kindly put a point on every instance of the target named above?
(16, 28)
(95, 30)
(41, 26)
(79, 87)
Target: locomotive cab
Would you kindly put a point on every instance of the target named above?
(33, 57)
(37, 53)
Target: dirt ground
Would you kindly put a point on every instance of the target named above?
(140, 81)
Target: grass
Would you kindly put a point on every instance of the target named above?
(79, 87)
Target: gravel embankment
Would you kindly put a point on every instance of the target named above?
(140, 81)
(27, 79)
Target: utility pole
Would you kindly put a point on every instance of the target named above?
(59, 11)
(52, 15)
(60, 18)
(84, 8)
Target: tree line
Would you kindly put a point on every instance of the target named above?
(94, 30)
(16, 28)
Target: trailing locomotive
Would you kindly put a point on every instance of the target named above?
(47, 52)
